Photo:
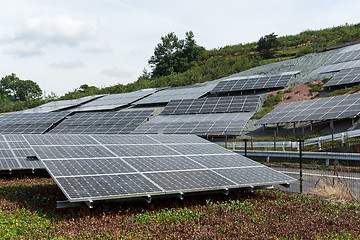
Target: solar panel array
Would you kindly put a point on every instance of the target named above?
(216, 124)
(212, 105)
(102, 122)
(344, 57)
(349, 57)
(60, 105)
(14, 151)
(114, 101)
(90, 168)
(339, 107)
(29, 123)
(254, 83)
(166, 95)
(346, 76)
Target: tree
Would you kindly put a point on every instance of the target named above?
(22, 90)
(174, 55)
(266, 43)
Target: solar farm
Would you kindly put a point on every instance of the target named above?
(163, 144)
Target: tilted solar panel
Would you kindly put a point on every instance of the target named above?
(166, 95)
(339, 107)
(102, 122)
(216, 124)
(114, 101)
(147, 165)
(60, 105)
(14, 151)
(346, 76)
(212, 105)
(253, 82)
(29, 123)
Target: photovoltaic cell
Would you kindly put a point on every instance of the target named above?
(14, 151)
(150, 165)
(114, 101)
(102, 122)
(29, 123)
(254, 83)
(166, 95)
(216, 124)
(348, 58)
(60, 105)
(212, 105)
(339, 107)
(346, 76)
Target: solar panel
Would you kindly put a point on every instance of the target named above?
(143, 172)
(60, 105)
(339, 107)
(114, 101)
(352, 48)
(166, 95)
(344, 57)
(212, 105)
(216, 124)
(14, 151)
(253, 82)
(29, 123)
(102, 122)
(337, 67)
(346, 76)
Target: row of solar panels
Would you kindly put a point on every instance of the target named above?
(207, 116)
(104, 167)
(153, 96)
(182, 117)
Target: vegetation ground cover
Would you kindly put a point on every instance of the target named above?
(27, 211)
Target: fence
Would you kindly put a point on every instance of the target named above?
(319, 143)
(312, 168)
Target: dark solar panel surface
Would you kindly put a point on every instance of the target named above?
(13, 152)
(212, 105)
(60, 105)
(217, 124)
(114, 101)
(345, 106)
(102, 122)
(346, 76)
(153, 165)
(253, 83)
(166, 95)
(29, 123)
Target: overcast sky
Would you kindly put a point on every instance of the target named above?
(64, 44)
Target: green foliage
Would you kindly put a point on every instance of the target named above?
(15, 89)
(266, 44)
(262, 113)
(175, 56)
(167, 216)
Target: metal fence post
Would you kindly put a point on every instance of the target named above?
(245, 142)
(300, 159)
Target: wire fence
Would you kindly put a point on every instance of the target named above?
(336, 167)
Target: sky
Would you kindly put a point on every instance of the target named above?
(61, 45)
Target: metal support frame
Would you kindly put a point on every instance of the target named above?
(148, 198)
(68, 204)
(181, 195)
(90, 204)
(226, 191)
(294, 127)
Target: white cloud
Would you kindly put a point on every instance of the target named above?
(67, 65)
(117, 72)
(27, 50)
(98, 47)
(59, 29)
